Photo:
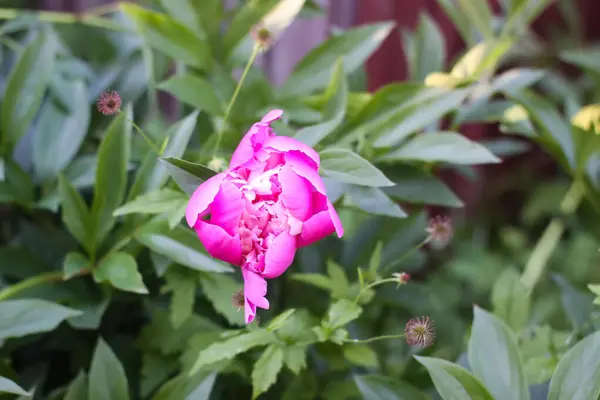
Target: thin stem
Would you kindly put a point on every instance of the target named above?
(547, 242)
(64, 18)
(236, 92)
(373, 339)
(408, 253)
(372, 285)
(141, 132)
(31, 282)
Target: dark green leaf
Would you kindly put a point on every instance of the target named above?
(511, 300)
(452, 381)
(219, 288)
(230, 348)
(425, 49)
(372, 200)
(347, 166)
(378, 387)
(194, 91)
(25, 88)
(8, 386)
(107, 380)
(181, 245)
(17, 185)
(494, 357)
(447, 147)
(78, 388)
(60, 133)
(354, 45)
(75, 214)
(266, 369)
(335, 109)
(203, 390)
(169, 36)
(155, 202)
(578, 305)
(75, 263)
(181, 283)
(121, 271)
(198, 170)
(480, 15)
(577, 375)
(30, 316)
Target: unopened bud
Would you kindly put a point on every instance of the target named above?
(217, 165)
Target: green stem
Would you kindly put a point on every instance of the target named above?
(547, 242)
(373, 339)
(236, 92)
(141, 132)
(31, 282)
(64, 18)
(408, 253)
(372, 285)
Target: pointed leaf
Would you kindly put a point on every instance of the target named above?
(194, 91)
(78, 388)
(377, 387)
(347, 166)
(75, 214)
(266, 369)
(121, 270)
(107, 380)
(341, 313)
(156, 202)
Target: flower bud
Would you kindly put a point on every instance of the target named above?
(109, 103)
(217, 164)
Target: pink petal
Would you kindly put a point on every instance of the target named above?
(271, 116)
(302, 166)
(279, 255)
(296, 193)
(255, 290)
(219, 243)
(245, 151)
(202, 198)
(339, 229)
(286, 144)
(226, 210)
(316, 228)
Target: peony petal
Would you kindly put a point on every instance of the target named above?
(202, 198)
(287, 144)
(245, 151)
(302, 166)
(296, 193)
(255, 290)
(226, 210)
(271, 116)
(279, 255)
(337, 222)
(316, 228)
(219, 243)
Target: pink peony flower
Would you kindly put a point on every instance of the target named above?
(269, 202)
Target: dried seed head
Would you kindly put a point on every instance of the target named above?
(237, 299)
(440, 231)
(109, 102)
(420, 332)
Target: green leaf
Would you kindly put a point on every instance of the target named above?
(17, 185)
(339, 281)
(354, 46)
(60, 132)
(169, 36)
(511, 300)
(279, 321)
(75, 214)
(78, 388)
(180, 245)
(335, 109)
(347, 166)
(230, 348)
(316, 280)
(480, 15)
(375, 260)
(453, 382)
(25, 88)
(577, 375)
(75, 263)
(29, 316)
(341, 313)
(219, 288)
(578, 305)
(120, 270)
(266, 369)
(152, 174)
(249, 15)
(494, 357)
(185, 11)
(111, 174)
(156, 202)
(378, 387)
(182, 284)
(107, 380)
(187, 175)
(410, 119)
(360, 354)
(194, 91)
(522, 15)
(373, 201)
(8, 386)
(294, 358)
(587, 60)
(425, 49)
(204, 389)
(595, 288)
(447, 147)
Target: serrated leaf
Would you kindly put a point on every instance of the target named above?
(266, 369)
(280, 320)
(121, 270)
(182, 284)
(341, 313)
(294, 358)
(219, 288)
(30, 316)
(107, 379)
